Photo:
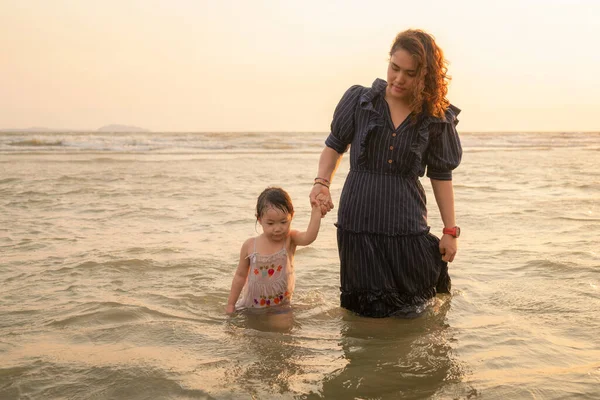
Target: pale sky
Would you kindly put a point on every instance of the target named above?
(277, 65)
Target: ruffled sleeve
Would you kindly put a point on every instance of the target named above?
(342, 125)
(444, 151)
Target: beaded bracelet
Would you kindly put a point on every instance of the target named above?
(322, 179)
(321, 183)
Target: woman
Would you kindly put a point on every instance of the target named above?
(396, 130)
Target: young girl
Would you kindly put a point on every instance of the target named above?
(266, 268)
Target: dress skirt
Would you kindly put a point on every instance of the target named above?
(384, 275)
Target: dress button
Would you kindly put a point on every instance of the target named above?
(394, 134)
(391, 147)
(390, 161)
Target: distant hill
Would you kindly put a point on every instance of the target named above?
(121, 128)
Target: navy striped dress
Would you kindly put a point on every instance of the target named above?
(390, 262)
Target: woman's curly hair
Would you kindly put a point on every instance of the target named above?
(429, 95)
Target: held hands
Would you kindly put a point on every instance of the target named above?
(320, 197)
(448, 247)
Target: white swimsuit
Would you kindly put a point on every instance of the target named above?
(270, 280)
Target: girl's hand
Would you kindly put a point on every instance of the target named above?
(320, 196)
(230, 309)
(448, 247)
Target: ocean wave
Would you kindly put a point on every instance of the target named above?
(36, 143)
(110, 313)
(182, 143)
(583, 219)
(129, 265)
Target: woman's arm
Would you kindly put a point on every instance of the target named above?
(328, 164)
(239, 279)
(444, 196)
(306, 238)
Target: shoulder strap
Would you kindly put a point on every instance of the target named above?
(251, 255)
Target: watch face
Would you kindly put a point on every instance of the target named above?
(455, 231)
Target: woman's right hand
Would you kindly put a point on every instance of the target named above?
(321, 197)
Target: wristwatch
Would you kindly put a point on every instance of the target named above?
(454, 231)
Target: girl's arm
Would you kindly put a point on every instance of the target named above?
(306, 238)
(239, 279)
(444, 196)
(328, 164)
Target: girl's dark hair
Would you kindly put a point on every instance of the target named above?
(274, 197)
(432, 71)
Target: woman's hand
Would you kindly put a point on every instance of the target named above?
(320, 196)
(230, 309)
(448, 247)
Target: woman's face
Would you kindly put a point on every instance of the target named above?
(401, 76)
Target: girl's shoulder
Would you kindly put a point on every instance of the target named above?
(248, 246)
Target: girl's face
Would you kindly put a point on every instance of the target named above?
(401, 76)
(276, 224)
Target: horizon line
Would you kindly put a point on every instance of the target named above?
(53, 130)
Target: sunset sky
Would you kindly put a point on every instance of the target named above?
(277, 65)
